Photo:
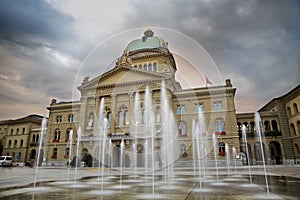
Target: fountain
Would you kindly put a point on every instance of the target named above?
(234, 158)
(259, 135)
(70, 151)
(77, 153)
(43, 133)
(244, 135)
(148, 179)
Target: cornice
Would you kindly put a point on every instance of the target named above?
(93, 84)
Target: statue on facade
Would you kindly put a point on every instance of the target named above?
(91, 120)
(124, 59)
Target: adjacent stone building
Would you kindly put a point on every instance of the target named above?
(281, 130)
(21, 137)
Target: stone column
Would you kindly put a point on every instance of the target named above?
(131, 108)
(82, 114)
(96, 117)
(113, 112)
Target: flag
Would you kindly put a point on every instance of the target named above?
(207, 81)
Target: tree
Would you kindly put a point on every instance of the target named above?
(73, 162)
(88, 159)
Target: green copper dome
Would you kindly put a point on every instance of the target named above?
(148, 41)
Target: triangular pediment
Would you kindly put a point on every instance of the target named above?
(122, 75)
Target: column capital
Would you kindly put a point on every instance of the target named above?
(97, 98)
(113, 96)
(131, 94)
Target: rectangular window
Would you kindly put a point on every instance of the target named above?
(58, 118)
(217, 106)
(71, 118)
(199, 107)
(180, 109)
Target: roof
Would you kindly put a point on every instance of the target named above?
(294, 91)
(30, 118)
(148, 41)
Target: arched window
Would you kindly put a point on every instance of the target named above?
(154, 67)
(247, 126)
(37, 137)
(145, 66)
(56, 135)
(222, 151)
(16, 142)
(68, 134)
(17, 131)
(21, 144)
(274, 125)
(260, 151)
(9, 144)
(288, 110)
(219, 126)
(150, 67)
(140, 66)
(123, 116)
(33, 138)
(267, 126)
(293, 130)
(54, 153)
(182, 131)
(295, 107)
(67, 152)
(298, 127)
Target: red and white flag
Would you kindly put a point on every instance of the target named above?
(207, 81)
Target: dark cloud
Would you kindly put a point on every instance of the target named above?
(255, 43)
(33, 18)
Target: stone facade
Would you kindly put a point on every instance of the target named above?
(281, 126)
(21, 137)
(145, 66)
(135, 70)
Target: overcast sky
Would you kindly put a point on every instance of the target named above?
(44, 43)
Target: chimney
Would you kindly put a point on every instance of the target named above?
(53, 101)
(228, 83)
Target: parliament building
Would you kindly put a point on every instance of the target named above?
(145, 65)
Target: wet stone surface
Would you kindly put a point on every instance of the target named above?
(181, 186)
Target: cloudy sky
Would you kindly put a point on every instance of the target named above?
(43, 45)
